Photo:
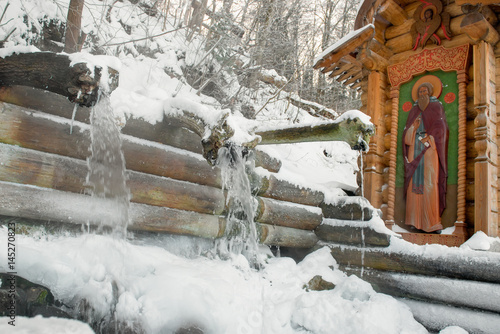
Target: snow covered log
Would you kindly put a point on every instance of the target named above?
(462, 293)
(482, 268)
(25, 166)
(348, 208)
(55, 73)
(272, 187)
(350, 234)
(351, 130)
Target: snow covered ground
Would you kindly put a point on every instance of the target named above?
(162, 283)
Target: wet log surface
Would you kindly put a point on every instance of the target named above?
(25, 201)
(42, 132)
(47, 170)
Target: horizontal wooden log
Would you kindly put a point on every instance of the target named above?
(42, 100)
(163, 132)
(165, 220)
(53, 72)
(51, 205)
(24, 201)
(285, 236)
(348, 208)
(436, 316)
(392, 12)
(47, 170)
(275, 188)
(274, 212)
(483, 268)
(352, 131)
(350, 234)
(39, 131)
(462, 293)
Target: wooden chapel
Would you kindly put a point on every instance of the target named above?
(395, 46)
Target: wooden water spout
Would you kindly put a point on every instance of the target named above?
(352, 131)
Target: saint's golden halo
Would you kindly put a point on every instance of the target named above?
(433, 80)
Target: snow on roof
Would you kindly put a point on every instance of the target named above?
(350, 36)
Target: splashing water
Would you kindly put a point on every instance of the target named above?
(106, 178)
(240, 236)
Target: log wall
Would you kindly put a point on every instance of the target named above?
(172, 188)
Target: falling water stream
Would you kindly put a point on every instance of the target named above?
(106, 177)
(241, 234)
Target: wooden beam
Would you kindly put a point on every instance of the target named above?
(353, 79)
(393, 12)
(272, 187)
(161, 132)
(344, 67)
(478, 28)
(351, 60)
(354, 132)
(352, 71)
(54, 72)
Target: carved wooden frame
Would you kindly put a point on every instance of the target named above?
(440, 58)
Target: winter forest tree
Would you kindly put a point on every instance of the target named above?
(281, 35)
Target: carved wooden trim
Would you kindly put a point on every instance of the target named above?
(454, 59)
(392, 158)
(462, 141)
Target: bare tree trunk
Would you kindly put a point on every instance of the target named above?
(73, 27)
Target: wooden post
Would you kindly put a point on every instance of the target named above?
(373, 177)
(392, 160)
(482, 174)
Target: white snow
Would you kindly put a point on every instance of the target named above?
(334, 47)
(161, 291)
(162, 283)
(40, 325)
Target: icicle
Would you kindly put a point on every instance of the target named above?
(362, 251)
(74, 112)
